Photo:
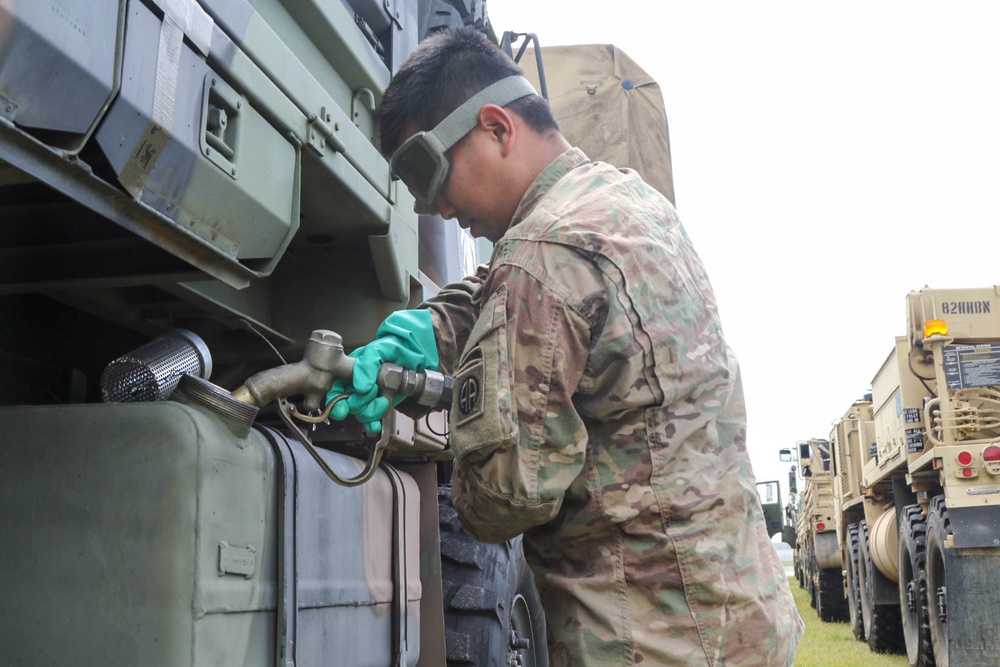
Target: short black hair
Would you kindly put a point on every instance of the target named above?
(445, 70)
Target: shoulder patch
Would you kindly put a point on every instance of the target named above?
(469, 392)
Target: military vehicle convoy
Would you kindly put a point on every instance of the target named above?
(916, 469)
(195, 226)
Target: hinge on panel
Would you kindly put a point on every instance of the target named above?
(392, 13)
(369, 34)
(320, 133)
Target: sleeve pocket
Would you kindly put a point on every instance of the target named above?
(482, 411)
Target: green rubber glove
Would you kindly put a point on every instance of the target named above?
(406, 338)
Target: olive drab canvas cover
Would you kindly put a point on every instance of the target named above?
(609, 107)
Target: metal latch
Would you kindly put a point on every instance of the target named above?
(220, 124)
(320, 133)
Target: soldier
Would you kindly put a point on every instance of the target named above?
(598, 409)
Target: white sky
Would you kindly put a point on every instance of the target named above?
(828, 158)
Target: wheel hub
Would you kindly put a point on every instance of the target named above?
(911, 597)
(516, 646)
(519, 647)
(942, 604)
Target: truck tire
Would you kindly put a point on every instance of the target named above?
(913, 587)
(813, 588)
(493, 615)
(831, 605)
(881, 621)
(938, 529)
(853, 588)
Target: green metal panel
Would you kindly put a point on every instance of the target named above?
(315, 55)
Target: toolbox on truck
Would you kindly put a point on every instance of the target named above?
(187, 143)
(58, 66)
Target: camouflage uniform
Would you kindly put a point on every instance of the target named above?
(599, 411)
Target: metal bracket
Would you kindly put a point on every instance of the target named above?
(369, 97)
(392, 13)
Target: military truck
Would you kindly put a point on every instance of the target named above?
(196, 226)
(817, 555)
(769, 494)
(847, 439)
(917, 466)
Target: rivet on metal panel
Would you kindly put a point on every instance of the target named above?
(9, 109)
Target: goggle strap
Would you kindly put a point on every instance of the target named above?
(457, 124)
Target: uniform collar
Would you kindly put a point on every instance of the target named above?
(557, 169)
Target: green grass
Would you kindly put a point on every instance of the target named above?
(833, 644)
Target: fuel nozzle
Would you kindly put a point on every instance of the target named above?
(428, 388)
(323, 362)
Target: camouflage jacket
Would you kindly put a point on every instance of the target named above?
(598, 410)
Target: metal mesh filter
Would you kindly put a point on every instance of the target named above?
(151, 372)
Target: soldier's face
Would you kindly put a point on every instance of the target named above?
(475, 193)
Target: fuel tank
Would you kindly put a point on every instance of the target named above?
(162, 533)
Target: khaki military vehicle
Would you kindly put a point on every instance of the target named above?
(817, 556)
(917, 467)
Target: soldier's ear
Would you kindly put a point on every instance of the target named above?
(499, 123)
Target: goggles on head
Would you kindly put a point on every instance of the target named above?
(421, 162)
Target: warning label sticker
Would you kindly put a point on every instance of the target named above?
(972, 365)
